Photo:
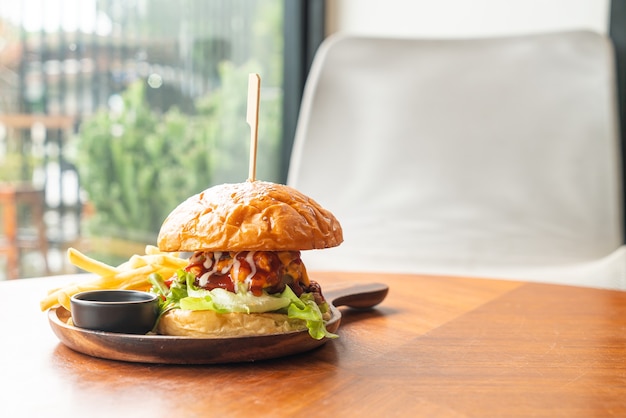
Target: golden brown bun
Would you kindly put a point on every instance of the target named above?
(254, 215)
(210, 324)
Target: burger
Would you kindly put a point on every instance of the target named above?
(244, 274)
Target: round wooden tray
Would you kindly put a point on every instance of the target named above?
(152, 348)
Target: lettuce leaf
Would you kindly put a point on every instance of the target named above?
(305, 307)
(183, 294)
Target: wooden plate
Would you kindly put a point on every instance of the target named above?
(189, 350)
(182, 350)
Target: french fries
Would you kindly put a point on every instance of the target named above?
(132, 274)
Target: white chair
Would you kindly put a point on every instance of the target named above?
(484, 157)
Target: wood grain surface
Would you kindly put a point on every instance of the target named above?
(435, 347)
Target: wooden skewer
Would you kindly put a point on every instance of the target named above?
(254, 92)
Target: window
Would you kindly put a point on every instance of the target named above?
(157, 91)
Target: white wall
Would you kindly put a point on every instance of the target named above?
(464, 18)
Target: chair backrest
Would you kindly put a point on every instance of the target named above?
(462, 155)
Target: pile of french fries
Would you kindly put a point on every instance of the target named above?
(132, 274)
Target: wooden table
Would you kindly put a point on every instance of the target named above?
(436, 347)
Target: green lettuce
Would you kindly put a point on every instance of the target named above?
(183, 294)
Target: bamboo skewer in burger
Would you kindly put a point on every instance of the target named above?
(252, 117)
(245, 275)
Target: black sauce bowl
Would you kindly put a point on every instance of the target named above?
(122, 311)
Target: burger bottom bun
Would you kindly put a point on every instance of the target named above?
(206, 324)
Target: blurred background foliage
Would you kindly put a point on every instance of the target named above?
(136, 164)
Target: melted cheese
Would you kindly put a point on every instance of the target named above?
(295, 270)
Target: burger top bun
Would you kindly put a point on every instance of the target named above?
(253, 215)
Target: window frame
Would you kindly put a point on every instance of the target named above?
(304, 30)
